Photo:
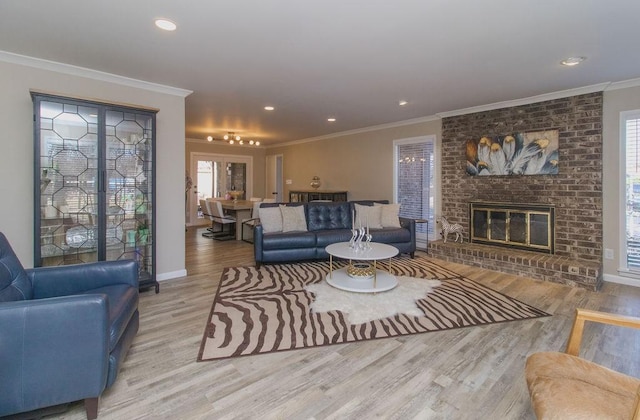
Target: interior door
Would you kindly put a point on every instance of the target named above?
(214, 175)
(274, 185)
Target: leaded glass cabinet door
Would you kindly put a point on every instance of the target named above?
(129, 188)
(94, 195)
(67, 205)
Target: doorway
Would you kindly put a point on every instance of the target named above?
(415, 183)
(274, 176)
(214, 175)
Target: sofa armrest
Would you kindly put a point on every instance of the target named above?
(410, 224)
(67, 280)
(52, 351)
(258, 233)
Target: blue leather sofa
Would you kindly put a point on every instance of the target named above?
(327, 223)
(64, 331)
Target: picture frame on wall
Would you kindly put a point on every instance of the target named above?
(526, 153)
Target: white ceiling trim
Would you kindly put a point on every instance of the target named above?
(361, 130)
(526, 101)
(90, 74)
(625, 84)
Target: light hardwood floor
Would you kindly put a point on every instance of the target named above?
(469, 373)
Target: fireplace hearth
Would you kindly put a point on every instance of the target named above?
(521, 226)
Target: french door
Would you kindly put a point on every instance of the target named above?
(414, 183)
(630, 130)
(213, 176)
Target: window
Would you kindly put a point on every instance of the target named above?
(631, 137)
(414, 183)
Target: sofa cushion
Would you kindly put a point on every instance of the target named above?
(391, 235)
(568, 387)
(323, 216)
(14, 282)
(331, 236)
(390, 215)
(271, 219)
(123, 303)
(293, 219)
(287, 240)
(368, 216)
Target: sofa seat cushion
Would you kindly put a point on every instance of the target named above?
(288, 240)
(568, 387)
(123, 303)
(390, 235)
(328, 237)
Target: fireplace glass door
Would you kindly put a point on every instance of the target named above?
(517, 226)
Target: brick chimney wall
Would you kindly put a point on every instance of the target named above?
(576, 191)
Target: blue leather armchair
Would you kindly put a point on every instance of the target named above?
(64, 331)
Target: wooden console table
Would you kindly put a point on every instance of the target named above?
(305, 196)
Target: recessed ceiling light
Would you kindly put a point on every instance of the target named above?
(209, 138)
(166, 24)
(269, 108)
(257, 143)
(402, 103)
(331, 119)
(572, 61)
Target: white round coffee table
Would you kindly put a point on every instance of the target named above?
(361, 279)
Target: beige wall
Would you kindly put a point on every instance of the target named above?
(257, 153)
(16, 157)
(615, 102)
(360, 163)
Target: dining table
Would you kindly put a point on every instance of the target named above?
(240, 209)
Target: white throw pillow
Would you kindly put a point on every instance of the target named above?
(368, 216)
(293, 218)
(271, 219)
(390, 215)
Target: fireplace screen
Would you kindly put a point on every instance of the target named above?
(529, 227)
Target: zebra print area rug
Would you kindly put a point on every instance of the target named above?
(267, 310)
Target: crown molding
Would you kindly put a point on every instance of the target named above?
(526, 101)
(625, 84)
(72, 70)
(360, 130)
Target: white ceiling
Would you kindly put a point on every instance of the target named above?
(350, 59)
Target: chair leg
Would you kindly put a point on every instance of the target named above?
(91, 407)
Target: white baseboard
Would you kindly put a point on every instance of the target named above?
(171, 275)
(611, 278)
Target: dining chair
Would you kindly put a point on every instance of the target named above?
(218, 217)
(204, 208)
(253, 220)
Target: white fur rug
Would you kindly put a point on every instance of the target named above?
(364, 307)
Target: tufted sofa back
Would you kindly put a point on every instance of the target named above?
(321, 216)
(14, 282)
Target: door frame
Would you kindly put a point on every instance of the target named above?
(431, 233)
(194, 157)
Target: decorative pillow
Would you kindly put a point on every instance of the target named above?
(293, 218)
(389, 215)
(368, 216)
(270, 219)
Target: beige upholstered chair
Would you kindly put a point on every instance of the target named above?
(564, 386)
(218, 217)
(204, 207)
(252, 221)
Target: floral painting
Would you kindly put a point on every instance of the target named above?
(532, 153)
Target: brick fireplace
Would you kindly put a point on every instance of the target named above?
(575, 193)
